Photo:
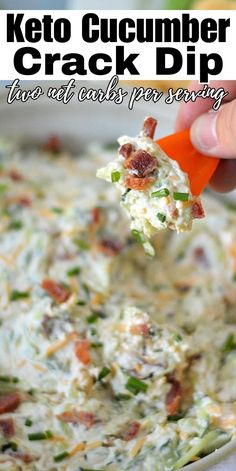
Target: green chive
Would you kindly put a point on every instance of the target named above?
(9, 379)
(161, 217)
(73, 271)
(57, 210)
(97, 344)
(103, 373)
(40, 435)
(135, 386)
(160, 193)
(229, 344)
(93, 331)
(15, 225)
(12, 445)
(92, 318)
(122, 397)
(138, 236)
(180, 196)
(15, 295)
(3, 187)
(61, 456)
(174, 418)
(115, 176)
(28, 422)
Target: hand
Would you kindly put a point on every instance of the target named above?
(213, 133)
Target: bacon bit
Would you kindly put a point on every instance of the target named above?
(24, 201)
(96, 216)
(173, 397)
(7, 427)
(9, 402)
(82, 351)
(141, 163)
(132, 431)
(126, 150)
(110, 247)
(141, 184)
(197, 210)
(140, 329)
(57, 291)
(52, 145)
(149, 127)
(15, 175)
(78, 417)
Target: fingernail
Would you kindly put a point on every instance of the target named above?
(203, 132)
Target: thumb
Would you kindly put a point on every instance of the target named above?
(214, 133)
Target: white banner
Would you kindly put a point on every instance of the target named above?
(133, 44)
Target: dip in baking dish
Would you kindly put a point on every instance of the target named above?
(108, 360)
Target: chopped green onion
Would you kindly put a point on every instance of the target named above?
(115, 176)
(9, 379)
(103, 373)
(229, 344)
(73, 271)
(135, 386)
(160, 193)
(93, 331)
(12, 445)
(234, 277)
(57, 210)
(97, 344)
(161, 217)
(81, 244)
(28, 422)
(122, 397)
(15, 225)
(15, 295)
(81, 303)
(180, 196)
(138, 236)
(61, 456)
(92, 318)
(40, 435)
